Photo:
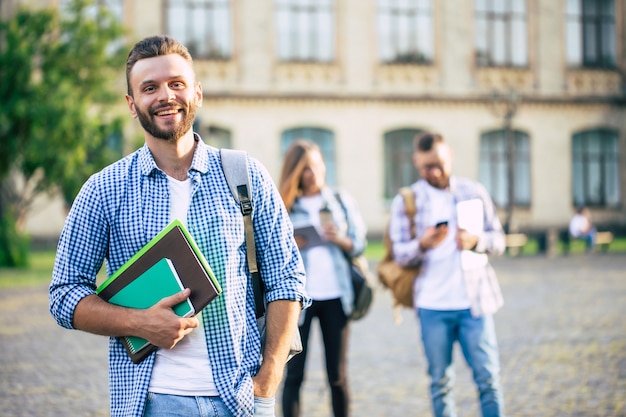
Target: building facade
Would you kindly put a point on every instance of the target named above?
(531, 94)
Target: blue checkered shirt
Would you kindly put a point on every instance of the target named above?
(121, 208)
(481, 283)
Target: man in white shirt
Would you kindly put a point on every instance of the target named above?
(580, 227)
(456, 292)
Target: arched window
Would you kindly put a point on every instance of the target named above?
(494, 163)
(325, 139)
(398, 163)
(595, 168)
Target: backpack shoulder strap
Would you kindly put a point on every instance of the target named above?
(409, 206)
(235, 168)
(410, 209)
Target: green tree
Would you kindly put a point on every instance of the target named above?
(57, 83)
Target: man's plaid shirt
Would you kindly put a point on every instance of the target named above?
(121, 208)
(481, 283)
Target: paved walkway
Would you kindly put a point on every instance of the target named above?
(562, 336)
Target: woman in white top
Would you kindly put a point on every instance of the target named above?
(336, 220)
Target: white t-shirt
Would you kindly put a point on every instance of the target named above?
(578, 225)
(441, 285)
(185, 369)
(321, 282)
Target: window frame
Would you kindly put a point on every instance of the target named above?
(500, 21)
(399, 169)
(300, 32)
(604, 159)
(494, 164)
(591, 30)
(114, 7)
(395, 19)
(213, 42)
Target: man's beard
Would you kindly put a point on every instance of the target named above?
(171, 134)
(441, 183)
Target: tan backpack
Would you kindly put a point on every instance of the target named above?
(396, 278)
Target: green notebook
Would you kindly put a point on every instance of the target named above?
(160, 281)
(175, 243)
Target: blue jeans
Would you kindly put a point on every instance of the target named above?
(163, 405)
(477, 337)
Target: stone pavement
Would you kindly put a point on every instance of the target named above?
(562, 335)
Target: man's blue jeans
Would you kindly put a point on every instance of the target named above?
(163, 405)
(477, 337)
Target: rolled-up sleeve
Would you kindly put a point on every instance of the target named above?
(279, 259)
(80, 254)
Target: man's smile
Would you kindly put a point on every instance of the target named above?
(167, 112)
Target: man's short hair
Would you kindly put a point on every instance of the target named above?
(154, 46)
(424, 141)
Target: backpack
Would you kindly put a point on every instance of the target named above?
(399, 280)
(359, 276)
(235, 168)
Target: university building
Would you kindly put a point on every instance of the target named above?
(531, 94)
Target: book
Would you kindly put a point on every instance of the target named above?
(470, 215)
(159, 281)
(310, 234)
(174, 242)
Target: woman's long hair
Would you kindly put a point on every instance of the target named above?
(293, 166)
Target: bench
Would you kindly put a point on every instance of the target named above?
(515, 243)
(603, 240)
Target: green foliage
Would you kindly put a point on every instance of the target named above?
(14, 247)
(375, 250)
(38, 272)
(56, 74)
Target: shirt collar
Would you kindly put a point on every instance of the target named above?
(199, 163)
(452, 185)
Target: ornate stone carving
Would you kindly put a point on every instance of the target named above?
(416, 77)
(592, 82)
(497, 78)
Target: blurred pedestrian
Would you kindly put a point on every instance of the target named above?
(581, 227)
(311, 202)
(456, 291)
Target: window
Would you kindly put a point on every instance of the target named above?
(203, 26)
(107, 14)
(494, 165)
(323, 138)
(114, 7)
(591, 33)
(218, 137)
(405, 31)
(595, 168)
(398, 153)
(305, 30)
(501, 33)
